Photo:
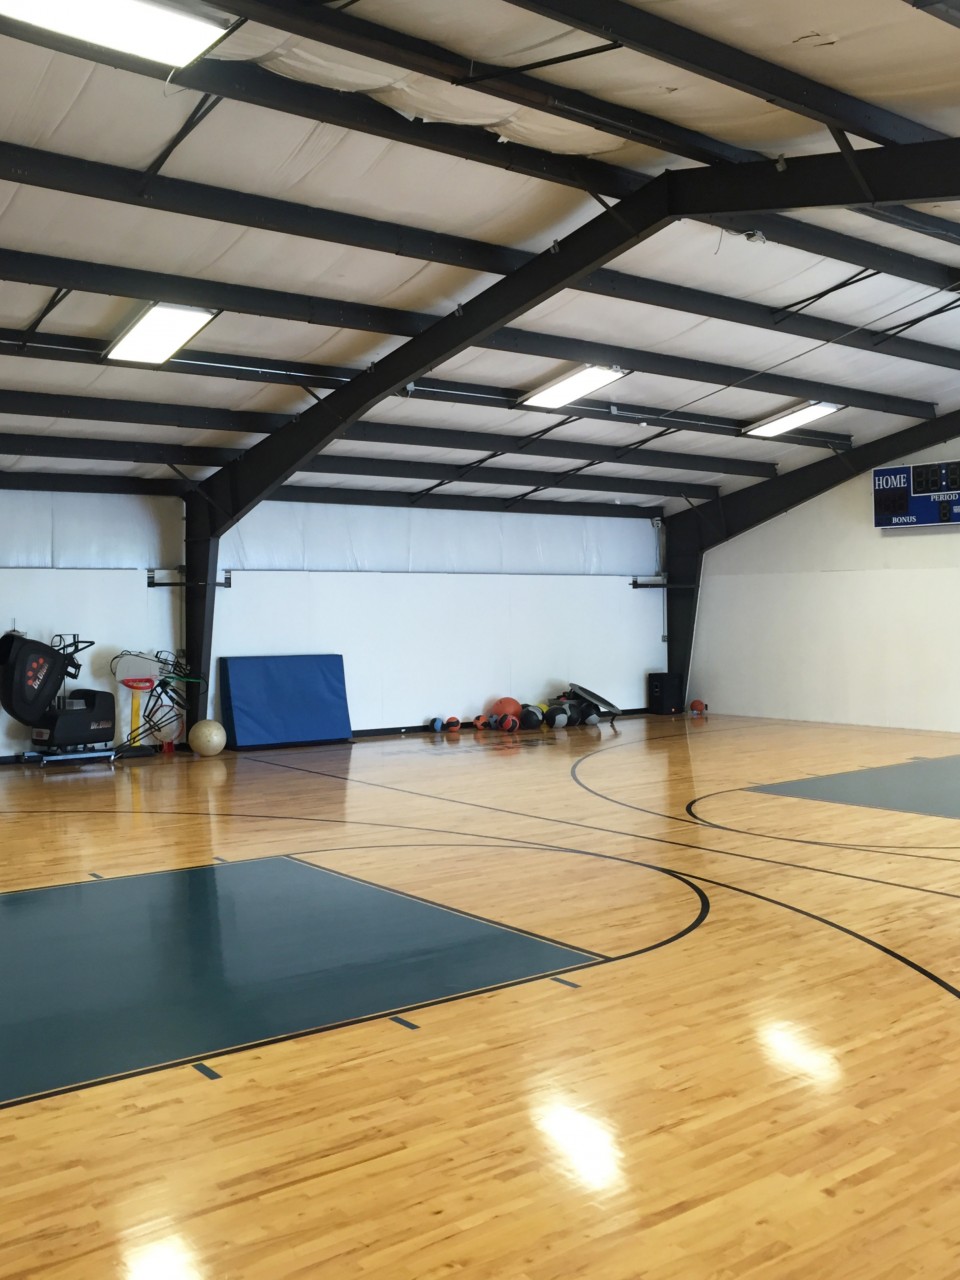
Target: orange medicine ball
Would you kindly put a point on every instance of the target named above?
(506, 707)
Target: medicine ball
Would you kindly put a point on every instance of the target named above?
(531, 718)
(556, 716)
(509, 724)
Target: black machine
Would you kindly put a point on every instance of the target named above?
(68, 727)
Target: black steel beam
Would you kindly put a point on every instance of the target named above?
(345, 31)
(93, 448)
(52, 482)
(46, 404)
(843, 248)
(441, 502)
(252, 84)
(190, 291)
(654, 36)
(201, 556)
(921, 172)
(241, 485)
(99, 181)
(328, 464)
(525, 342)
(249, 83)
(96, 277)
(756, 315)
(22, 444)
(193, 417)
(214, 364)
(546, 447)
(109, 182)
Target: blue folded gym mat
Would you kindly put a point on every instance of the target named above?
(280, 701)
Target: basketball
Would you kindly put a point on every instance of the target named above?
(207, 738)
(698, 707)
(506, 707)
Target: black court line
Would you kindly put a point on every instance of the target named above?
(599, 961)
(404, 1022)
(442, 906)
(903, 850)
(703, 912)
(695, 820)
(204, 1071)
(694, 877)
(633, 835)
(690, 878)
(704, 905)
(564, 983)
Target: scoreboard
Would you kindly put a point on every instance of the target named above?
(909, 497)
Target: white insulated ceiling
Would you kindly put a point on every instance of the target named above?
(882, 51)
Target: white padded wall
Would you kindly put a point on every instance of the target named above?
(816, 615)
(283, 535)
(417, 645)
(87, 530)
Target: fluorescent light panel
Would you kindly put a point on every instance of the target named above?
(132, 26)
(572, 386)
(795, 418)
(159, 333)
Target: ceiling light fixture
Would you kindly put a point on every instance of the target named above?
(158, 333)
(572, 386)
(792, 419)
(168, 36)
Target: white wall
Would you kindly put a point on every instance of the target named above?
(77, 563)
(816, 615)
(418, 645)
(437, 613)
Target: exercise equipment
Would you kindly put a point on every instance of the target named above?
(509, 724)
(698, 707)
(600, 703)
(207, 738)
(451, 724)
(481, 722)
(68, 727)
(555, 716)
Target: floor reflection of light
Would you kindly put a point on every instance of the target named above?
(586, 1145)
(789, 1046)
(168, 1259)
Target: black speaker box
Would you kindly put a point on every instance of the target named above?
(664, 693)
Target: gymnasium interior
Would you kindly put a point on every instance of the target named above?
(479, 733)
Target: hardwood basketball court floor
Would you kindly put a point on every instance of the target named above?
(727, 1041)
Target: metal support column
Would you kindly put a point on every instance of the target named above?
(682, 560)
(199, 598)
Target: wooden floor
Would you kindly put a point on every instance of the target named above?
(773, 1094)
